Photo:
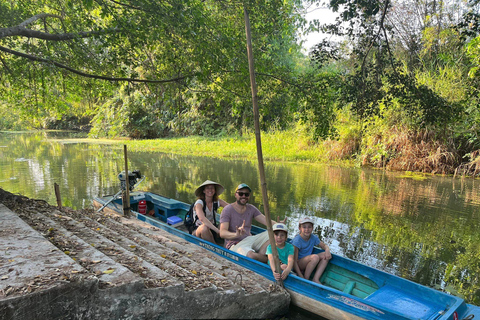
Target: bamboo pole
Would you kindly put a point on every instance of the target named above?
(126, 194)
(258, 139)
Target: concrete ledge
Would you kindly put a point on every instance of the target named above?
(72, 300)
(28, 260)
(39, 281)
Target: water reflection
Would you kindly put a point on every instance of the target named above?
(420, 228)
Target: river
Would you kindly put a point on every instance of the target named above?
(420, 227)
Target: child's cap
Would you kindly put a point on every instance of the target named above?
(280, 226)
(305, 220)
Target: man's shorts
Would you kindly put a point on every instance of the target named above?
(250, 243)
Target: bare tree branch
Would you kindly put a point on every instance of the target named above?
(38, 17)
(376, 36)
(390, 54)
(21, 30)
(127, 5)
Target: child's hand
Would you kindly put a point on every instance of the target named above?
(277, 275)
(285, 274)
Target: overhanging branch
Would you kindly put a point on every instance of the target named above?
(38, 17)
(21, 30)
(387, 2)
(83, 74)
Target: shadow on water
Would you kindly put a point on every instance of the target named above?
(299, 314)
(422, 228)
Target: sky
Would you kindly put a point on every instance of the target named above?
(325, 15)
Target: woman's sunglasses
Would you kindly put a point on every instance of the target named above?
(246, 194)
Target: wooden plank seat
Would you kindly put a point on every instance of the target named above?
(347, 281)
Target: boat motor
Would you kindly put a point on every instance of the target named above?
(132, 183)
(132, 179)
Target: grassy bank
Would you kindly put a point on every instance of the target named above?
(278, 146)
(390, 149)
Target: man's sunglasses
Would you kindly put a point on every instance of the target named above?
(246, 194)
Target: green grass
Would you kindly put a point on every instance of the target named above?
(287, 146)
(278, 146)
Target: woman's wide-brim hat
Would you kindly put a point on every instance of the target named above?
(218, 188)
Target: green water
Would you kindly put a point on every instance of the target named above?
(420, 228)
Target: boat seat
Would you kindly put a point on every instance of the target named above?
(412, 305)
(347, 281)
(166, 202)
(349, 287)
(171, 207)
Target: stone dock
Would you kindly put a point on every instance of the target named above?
(79, 264)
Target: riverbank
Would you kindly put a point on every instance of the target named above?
(79, 264)
(287, 146)
(399, 153)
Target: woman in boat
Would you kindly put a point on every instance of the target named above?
(205, 209)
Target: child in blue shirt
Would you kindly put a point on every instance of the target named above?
(285, 251)
(305, 261)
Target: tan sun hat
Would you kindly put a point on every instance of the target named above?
(218, 188)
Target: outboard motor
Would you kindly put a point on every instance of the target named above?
(132, 179)
(132, 183)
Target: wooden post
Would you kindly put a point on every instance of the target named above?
(126, 198)
(261, 169)
(57, 195)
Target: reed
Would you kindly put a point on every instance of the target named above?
(409, 150)
(472, 167)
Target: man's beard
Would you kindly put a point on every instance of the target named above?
(241, 204)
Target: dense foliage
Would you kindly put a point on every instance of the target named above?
(411, 82)
(400, 90)
(146, 69)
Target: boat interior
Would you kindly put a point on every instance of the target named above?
(342, 274)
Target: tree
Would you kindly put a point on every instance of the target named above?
(384, 37)
(178, 54)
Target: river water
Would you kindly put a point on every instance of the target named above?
(422, 228)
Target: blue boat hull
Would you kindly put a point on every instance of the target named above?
(392, 297)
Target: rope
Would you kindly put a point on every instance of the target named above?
(235, 281)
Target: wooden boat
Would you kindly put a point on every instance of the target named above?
(349, 290)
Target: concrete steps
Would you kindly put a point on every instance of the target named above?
(183, 252)
(98, 255)
(151, 265)
(80, 264)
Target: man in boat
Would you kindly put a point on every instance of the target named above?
(236, 223)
